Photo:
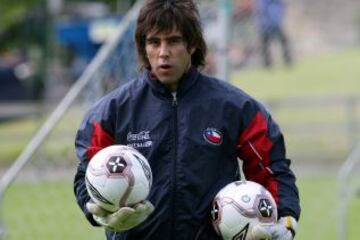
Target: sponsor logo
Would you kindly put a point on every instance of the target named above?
(141, 136)
(139, 140)
(213, 136)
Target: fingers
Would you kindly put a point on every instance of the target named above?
(120, 216)
(144, 207)
(96, 210)
(259, 232)
(123, 213)
(273, 231)
(101, 220)
(124, 218)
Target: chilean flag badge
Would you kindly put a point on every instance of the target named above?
(213, 136)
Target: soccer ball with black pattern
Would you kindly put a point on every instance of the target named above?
(239, 206)
(118, 176)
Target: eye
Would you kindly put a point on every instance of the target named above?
(152, 42)
(175, 40)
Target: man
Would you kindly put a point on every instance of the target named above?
(198, 126)
(270, 15)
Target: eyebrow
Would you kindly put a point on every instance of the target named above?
(172, 37)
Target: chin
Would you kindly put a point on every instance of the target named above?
(167, 81)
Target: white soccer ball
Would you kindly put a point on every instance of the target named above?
(118, 176)
(241, 205)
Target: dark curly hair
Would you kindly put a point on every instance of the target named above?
(165, 16)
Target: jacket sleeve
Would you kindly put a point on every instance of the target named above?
(95, 133)
(261, 147)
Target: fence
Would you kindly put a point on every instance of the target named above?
(319, 129)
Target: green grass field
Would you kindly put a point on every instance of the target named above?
(15, 135)
(47, 210)
(330, 74)
(319, 209)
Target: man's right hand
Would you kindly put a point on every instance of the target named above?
(123, 219)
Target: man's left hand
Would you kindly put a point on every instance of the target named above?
(283, 230)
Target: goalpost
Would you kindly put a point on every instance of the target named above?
(347, 190)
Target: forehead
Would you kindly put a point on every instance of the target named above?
(163, 34)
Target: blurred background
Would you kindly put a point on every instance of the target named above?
(57, 57)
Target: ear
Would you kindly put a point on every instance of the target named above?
(192, 50)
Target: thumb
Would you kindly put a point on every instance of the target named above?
(144, 207)
(94, 209)
(259, 232)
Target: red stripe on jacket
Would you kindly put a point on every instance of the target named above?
(254, 148)
(99, 140)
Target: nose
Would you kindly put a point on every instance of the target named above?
(164, 50)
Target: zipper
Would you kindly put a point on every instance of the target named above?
(174, 99)
(174, 165)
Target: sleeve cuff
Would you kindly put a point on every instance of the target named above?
(290, 223)
(90, 218)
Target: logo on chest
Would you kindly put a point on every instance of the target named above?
(213, 136)
(139, 140)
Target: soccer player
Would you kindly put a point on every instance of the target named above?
(270, 14)
(192, 128)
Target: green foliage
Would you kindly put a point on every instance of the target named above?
(14, 10)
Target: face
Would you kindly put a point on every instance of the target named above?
(169, 56)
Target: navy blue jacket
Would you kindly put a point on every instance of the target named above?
(192, 143)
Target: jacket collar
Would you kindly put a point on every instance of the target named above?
(186, 81)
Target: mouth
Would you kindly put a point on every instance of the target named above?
(165, 67)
